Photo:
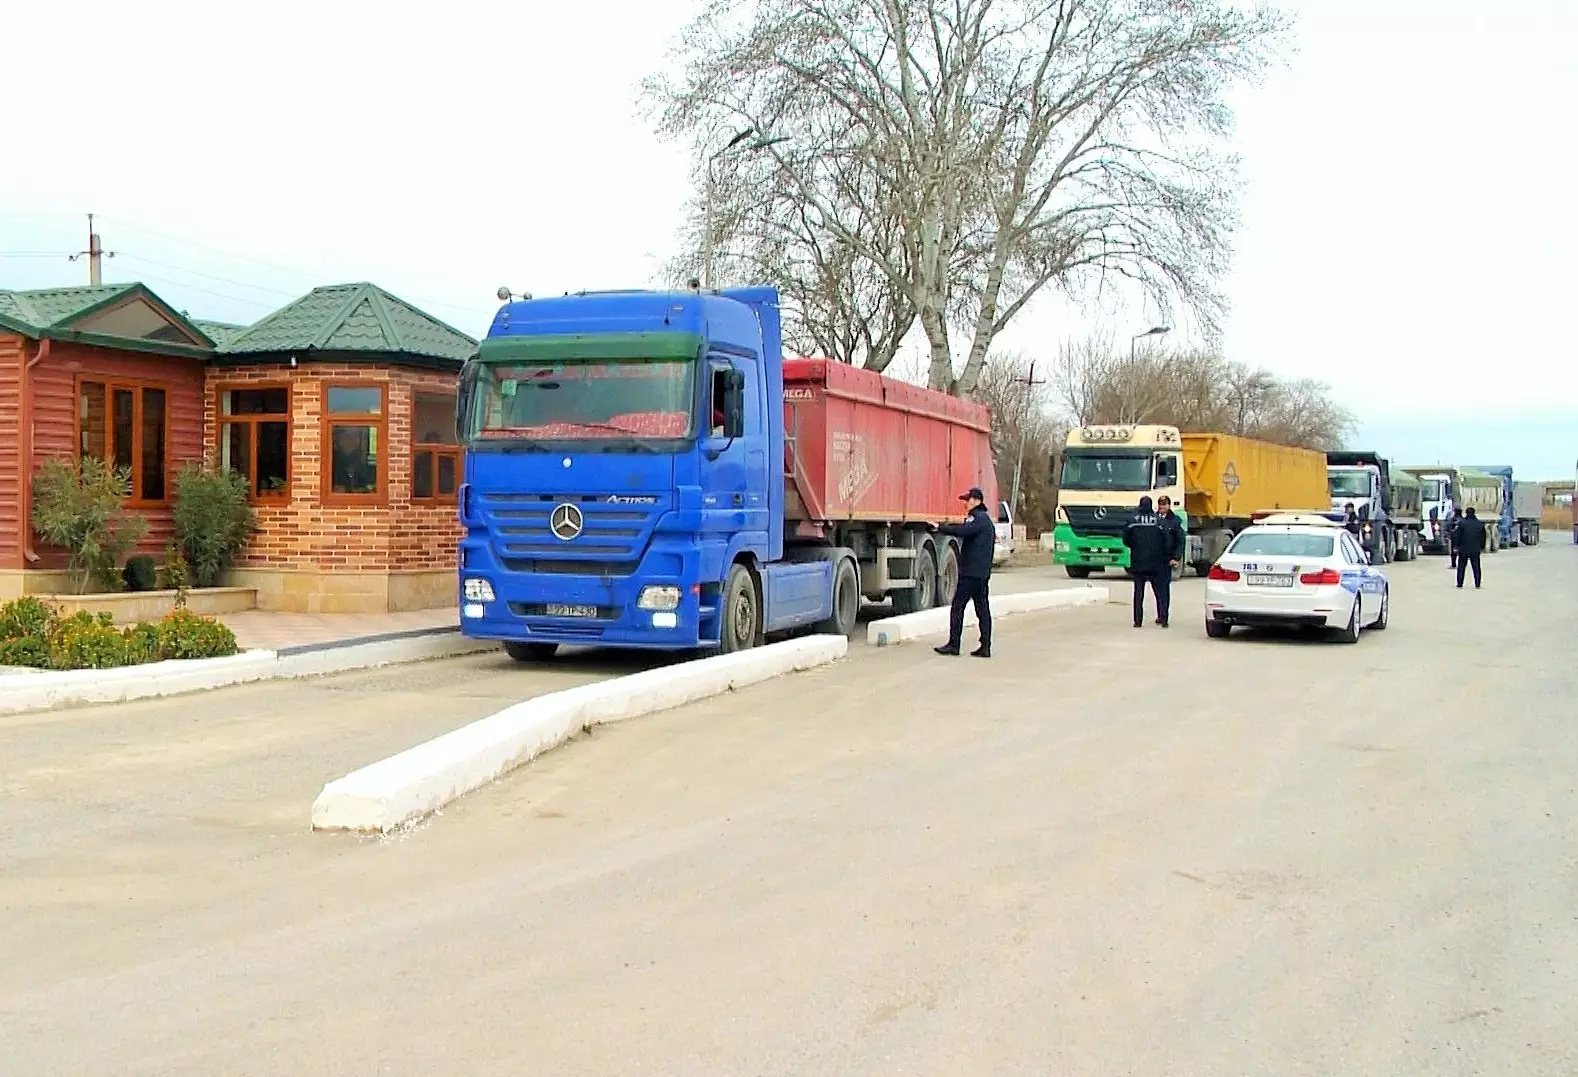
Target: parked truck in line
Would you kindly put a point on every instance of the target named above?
(646, 470)
(1216, 482)
(1443, 490)
(1385, 499)
(1521, 504)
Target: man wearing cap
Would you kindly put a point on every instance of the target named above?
(977, 538)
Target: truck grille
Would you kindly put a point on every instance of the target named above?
(610, 543)
(1082, 520)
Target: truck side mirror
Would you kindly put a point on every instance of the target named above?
(733, 404)
(1052, 469)
(1364, 511)
(463, 395)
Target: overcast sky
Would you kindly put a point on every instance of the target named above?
(1409, 223)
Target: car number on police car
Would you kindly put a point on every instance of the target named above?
(1261, 580)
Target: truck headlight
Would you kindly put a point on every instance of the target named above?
(477, 590)
(1061, 547)
(659, 597)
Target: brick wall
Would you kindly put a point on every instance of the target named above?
(302, 532)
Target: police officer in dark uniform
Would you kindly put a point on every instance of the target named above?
(1469, 543)
(977, 537)
(1155, 545)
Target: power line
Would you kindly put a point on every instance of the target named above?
(209, 276)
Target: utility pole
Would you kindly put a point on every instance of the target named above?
(96, 254)
(1029, 381)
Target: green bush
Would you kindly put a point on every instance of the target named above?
(79, 509)
(25, 651)
(186, 635)
(141, 573)
(83, 641)
(24, 617)
(176, 576)
(33, 634)
(213, 520)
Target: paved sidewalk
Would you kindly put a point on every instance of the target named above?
(260, 630)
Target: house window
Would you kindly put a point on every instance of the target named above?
(127, 425)
(435, 454)
(355, 425)
(254, 438)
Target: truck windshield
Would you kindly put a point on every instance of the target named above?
(1349, 483)
(1084, 470)
(1433, 490)
(584, 399)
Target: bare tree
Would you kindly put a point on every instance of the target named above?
(1023, 414)
(974, 152)
(1196, 390)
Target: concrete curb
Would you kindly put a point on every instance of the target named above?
(934, 622)
(21, 693)
(419, 781)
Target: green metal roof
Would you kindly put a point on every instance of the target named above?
(57, 312)
(221, 333)
(353, 318)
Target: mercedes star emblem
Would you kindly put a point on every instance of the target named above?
(1101, 514)
(566, 522)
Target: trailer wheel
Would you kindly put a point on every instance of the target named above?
(742, 612)
(530, 652)
(846, 600)
(921, 596)
(947, 574)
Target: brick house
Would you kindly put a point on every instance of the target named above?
(338, 408)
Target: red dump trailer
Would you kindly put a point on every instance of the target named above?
(868, 461)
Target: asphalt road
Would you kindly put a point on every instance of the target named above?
(1104, 852)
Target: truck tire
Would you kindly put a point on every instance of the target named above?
(947, 574)
(1077, 572)
(924, 593)
(530, 652)
(1534, 535)
(846, 600)
(741, 615)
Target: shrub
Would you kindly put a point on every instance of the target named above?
(213, 520)
(141, 573)
(80, 510)
(83, 641)
(142, 644)
(25, 651)
(24, 617)
(176, 576)
(186, 635)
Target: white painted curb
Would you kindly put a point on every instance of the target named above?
(934, 622)
(23, 692)
(421, 780)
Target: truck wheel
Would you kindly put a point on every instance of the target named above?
(1077, 572)
(742, 612)
(1534, 535)
(531, 652)
(922, 595)
(947, 574)
(846, 601)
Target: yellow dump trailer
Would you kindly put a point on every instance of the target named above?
(1228, 479)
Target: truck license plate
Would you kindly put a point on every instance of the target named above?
(1269, 581)
(554, 609)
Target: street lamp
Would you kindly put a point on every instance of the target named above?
(1154, 331)
(707, 196)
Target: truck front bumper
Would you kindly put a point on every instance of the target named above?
(586, 610)
(1087, 551)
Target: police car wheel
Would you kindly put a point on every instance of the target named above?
(1386, 609)
(1351, 633)
(1218, 629)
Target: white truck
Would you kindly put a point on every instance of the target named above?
(1386, 500)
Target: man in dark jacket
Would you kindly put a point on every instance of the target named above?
(1453, 519)
(977, 539)
(1470, 544)
(1155, 545)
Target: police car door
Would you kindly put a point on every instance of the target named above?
(1358, 570)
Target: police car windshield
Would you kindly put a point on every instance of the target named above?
(1283, 544)
(1106, 470)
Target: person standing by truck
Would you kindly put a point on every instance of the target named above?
(1154, 544)
(977, 536)
(1469, 544)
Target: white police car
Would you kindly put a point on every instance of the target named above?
(1295, 570)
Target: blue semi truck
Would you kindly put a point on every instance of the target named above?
(630, 482)
(1521, 506)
